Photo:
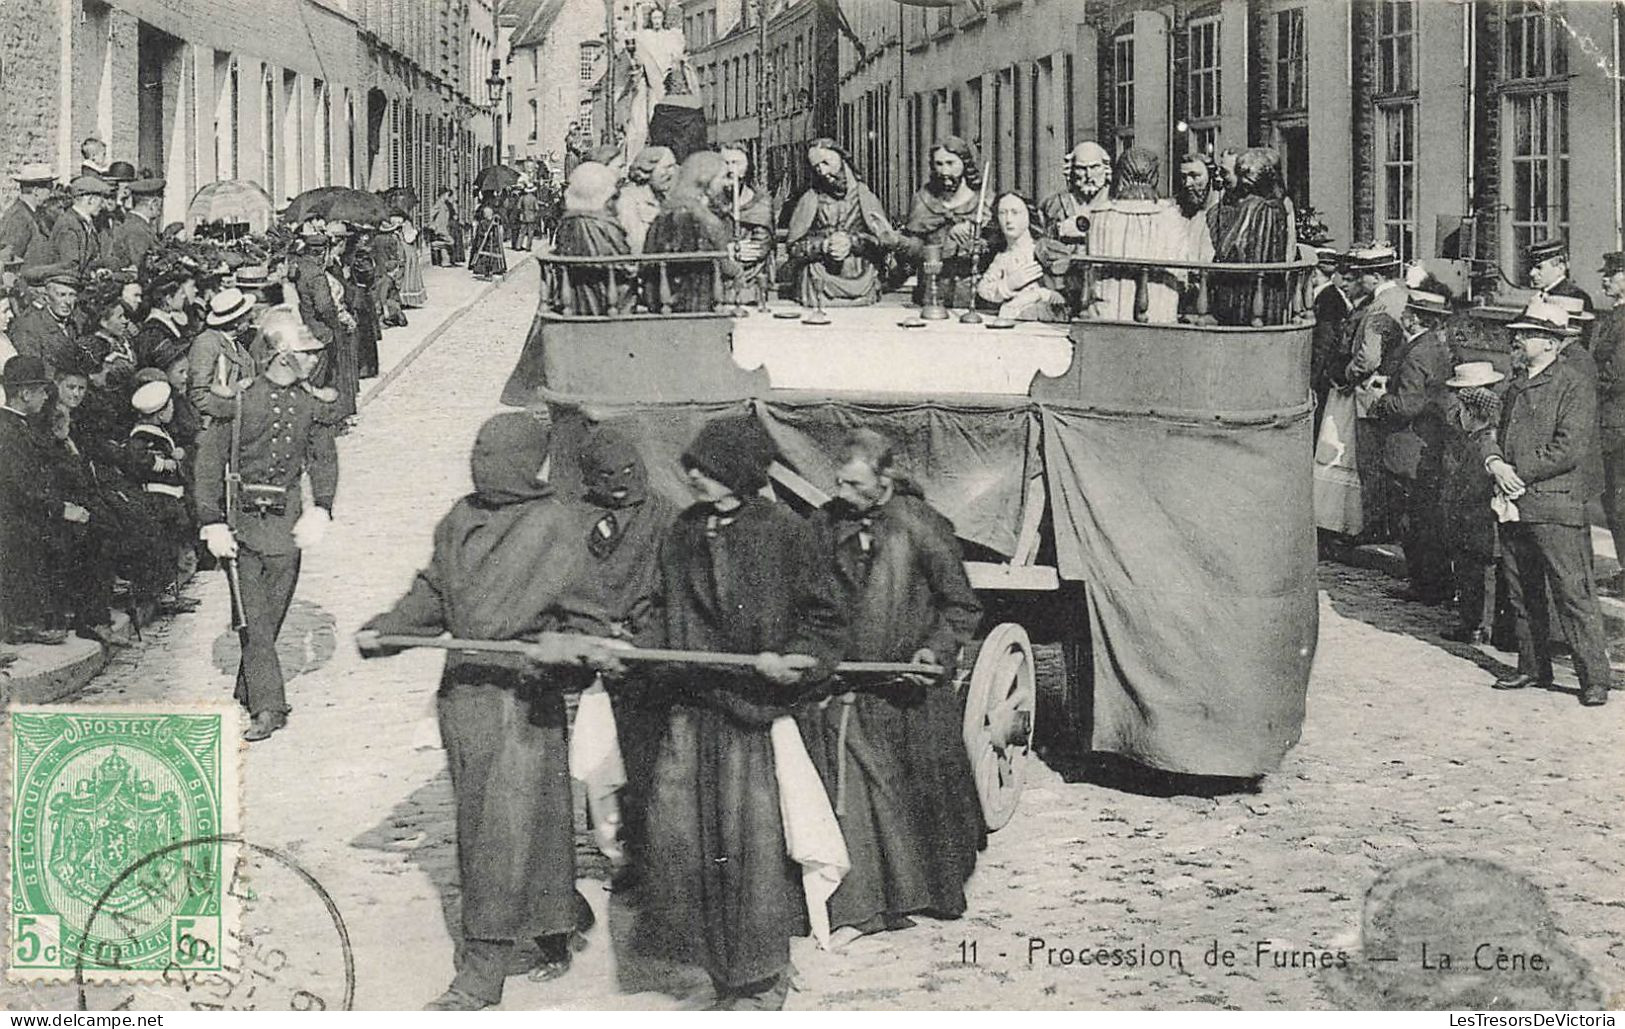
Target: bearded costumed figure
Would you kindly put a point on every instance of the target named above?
(891, 754)
(588, 229)
(504, 559)
(740, 574)
(1067, 212)
(649, 178)
(1135, 222)
(688, 223)
(1255, 229)
(750, 215)
(945, 212)
(839, 234)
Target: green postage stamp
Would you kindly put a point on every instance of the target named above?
(117, 819)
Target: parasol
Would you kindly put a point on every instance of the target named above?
(495, 178)
(402, 200)
(337, 203)
(231, 202)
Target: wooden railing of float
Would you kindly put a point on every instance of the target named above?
(1289, 281)
(625, 281)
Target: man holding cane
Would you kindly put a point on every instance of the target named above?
(282, 431)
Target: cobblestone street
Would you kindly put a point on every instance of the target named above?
(1405, 752)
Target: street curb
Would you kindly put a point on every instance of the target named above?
(435, 333)
(1389, 559)
(48, 675)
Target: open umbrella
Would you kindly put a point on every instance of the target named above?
(232, 202)
(401, 199)
(337, 203)
(495, 178)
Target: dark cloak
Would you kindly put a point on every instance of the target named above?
(903, 785)
(686, 228)
(724, 893)
(503, 557)
(1252, 231)
(929, 219)
(820, 213)
(590, 234)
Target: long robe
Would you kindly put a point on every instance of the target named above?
(903, 784)
(724, 894)
(503, 557)
(692, 287)
(856, 211)
(1254, 230)
(1151, 229)
(929, 219)
(589, 234)
(753, 220)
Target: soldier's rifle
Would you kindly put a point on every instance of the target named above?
(569, 650)
(234, 484)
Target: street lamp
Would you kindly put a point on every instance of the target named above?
(493, 92)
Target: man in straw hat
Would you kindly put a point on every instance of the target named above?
(1411, 415)
(1372, 339)
(21, 226)
(1548, 423)
(1608, 351)
(284, 434)
(1472, 412)
(220, 364)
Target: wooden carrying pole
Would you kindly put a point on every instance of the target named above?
(567, 649)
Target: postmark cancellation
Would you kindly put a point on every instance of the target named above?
(116, 822)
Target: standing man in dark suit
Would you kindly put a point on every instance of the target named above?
(1412, 412)
(74, 242)
(1332, 310)
(285, 432)
(21, 228)
(1372, 340)
(137, 233)
(30, 505)
(1548, 423)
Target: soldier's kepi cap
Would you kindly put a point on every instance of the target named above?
(151, 397)
(91, 186)
(1613, 261)
(1544, 250)
(1372, 257)
(147, 187)
(35, 173)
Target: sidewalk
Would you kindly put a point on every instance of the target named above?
(46, 675)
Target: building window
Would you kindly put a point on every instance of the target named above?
(1539, 154)
(1123, 82)
(1399, 177)
(589, 59)
(1291, 62)
(535, 121)
(1535, 47)
(1204, 68)
(1396, 47)
(324, 132)
(727, 95)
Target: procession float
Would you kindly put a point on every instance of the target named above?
(1133, 499)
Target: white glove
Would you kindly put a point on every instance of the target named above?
(218, 538)
(311, 527)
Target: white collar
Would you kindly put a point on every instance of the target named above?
(165, 318)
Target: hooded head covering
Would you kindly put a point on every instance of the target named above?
(590, 188)
(735, 451)
(648, 159)
(694, 178)
(610, 463)
(508, 453)
(1136, 174)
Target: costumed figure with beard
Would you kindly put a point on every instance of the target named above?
(945, 212)
(1257, 228)
(750, 216)
(1066, 213)
(740, 574)
(648, 179)
(588, 229)
(504, 559)
(1138, 223)
(688, 223)
(1197, 200)
(891, 753)
(839, 235)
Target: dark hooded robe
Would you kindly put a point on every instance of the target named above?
(820, 213)
(890, 753)
(724, 893)
(590, 234)
(687, 224)
(504, 557)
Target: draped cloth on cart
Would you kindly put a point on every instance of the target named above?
(1193, 541)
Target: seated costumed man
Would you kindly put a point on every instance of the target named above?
(1137, 223)
(838, 235)
(891, 753)
(946, 212)
(505, 557)
(740, 574)
(589, 229)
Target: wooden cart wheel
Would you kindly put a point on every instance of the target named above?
(1000, 700)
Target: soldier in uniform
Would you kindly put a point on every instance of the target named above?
(21, 227)
(74, 242)
(1548, 261)
(137, 233)
(285, 432)
(48, 332)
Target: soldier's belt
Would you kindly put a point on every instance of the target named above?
(263, 499)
